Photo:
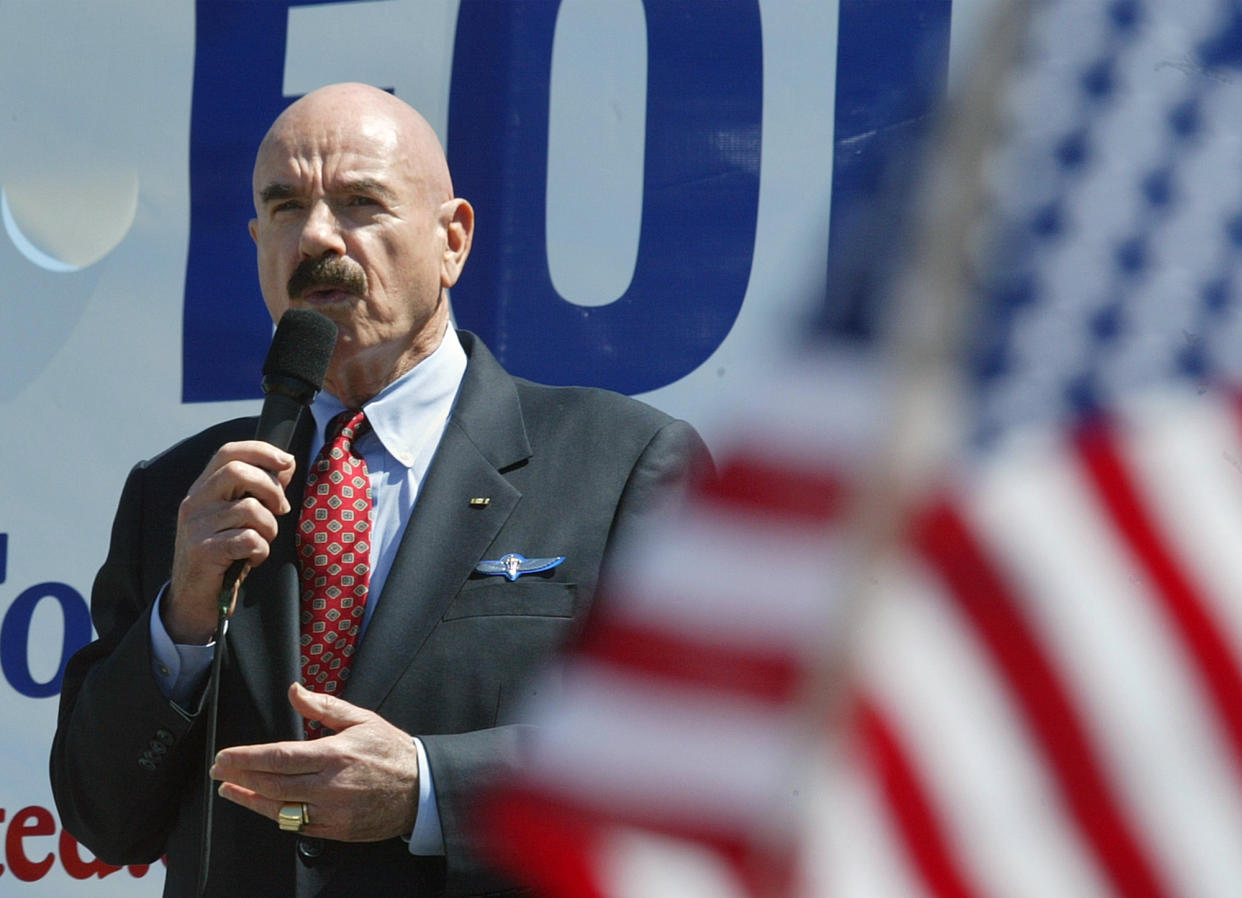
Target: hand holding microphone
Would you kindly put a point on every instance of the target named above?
(229, 517)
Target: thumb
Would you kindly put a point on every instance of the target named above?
(334, 713)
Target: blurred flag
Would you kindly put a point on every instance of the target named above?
(1049, 682)
(960, 617)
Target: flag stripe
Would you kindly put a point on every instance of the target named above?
(986, 601)
(771, 487)
(920, 660)
(1114, 484)
(636, 745)
(566, 839)
(910, 804)
(550, 850)
(773, 676)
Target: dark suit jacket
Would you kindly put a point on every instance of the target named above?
(446, 656)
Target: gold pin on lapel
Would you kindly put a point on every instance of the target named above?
(480, 502)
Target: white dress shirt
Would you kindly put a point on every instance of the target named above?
(407, 420)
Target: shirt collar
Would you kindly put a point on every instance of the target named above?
(410, 410)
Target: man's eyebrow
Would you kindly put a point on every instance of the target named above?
(275, 192)
(367, 186)
(370, 187)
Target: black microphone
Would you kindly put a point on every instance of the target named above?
(293, 374)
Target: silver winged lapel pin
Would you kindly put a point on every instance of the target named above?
(514, 565)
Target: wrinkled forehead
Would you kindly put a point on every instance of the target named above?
(323, 151)
(348, 132)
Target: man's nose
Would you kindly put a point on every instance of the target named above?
(321, 232)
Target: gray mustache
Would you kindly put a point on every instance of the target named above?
(327, 271)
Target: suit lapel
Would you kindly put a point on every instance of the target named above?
(264, 632)
(445, 536)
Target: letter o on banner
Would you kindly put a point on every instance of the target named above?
(15, 636)
(700, 194)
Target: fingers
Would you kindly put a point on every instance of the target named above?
(230, 514)
(252, 468)
(322, 821)
(282, 759)
(248, 765)
(263, 777)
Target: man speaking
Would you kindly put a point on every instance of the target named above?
(435, 533)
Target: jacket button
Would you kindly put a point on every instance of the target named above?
(165, 737)
(310, 847)
(146, 763)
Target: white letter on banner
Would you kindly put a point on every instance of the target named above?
(597, 130)
(407, 45)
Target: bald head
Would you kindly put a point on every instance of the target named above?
(335, 110)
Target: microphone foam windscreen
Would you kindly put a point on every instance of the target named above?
(301, 347)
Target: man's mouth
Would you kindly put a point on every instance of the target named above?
(323, 296)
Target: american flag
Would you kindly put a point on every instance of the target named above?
(1048, 693)
(976, 631)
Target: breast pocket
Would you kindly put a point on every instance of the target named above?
(491, 641)
(527, 597)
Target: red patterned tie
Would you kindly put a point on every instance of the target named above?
(334, 548)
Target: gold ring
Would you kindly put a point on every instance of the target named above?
(293, 817)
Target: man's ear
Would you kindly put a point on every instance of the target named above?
(254, 230)
(457, 219)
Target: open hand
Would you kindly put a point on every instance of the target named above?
(361, 784)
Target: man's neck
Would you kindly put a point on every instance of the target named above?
(361, 376)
